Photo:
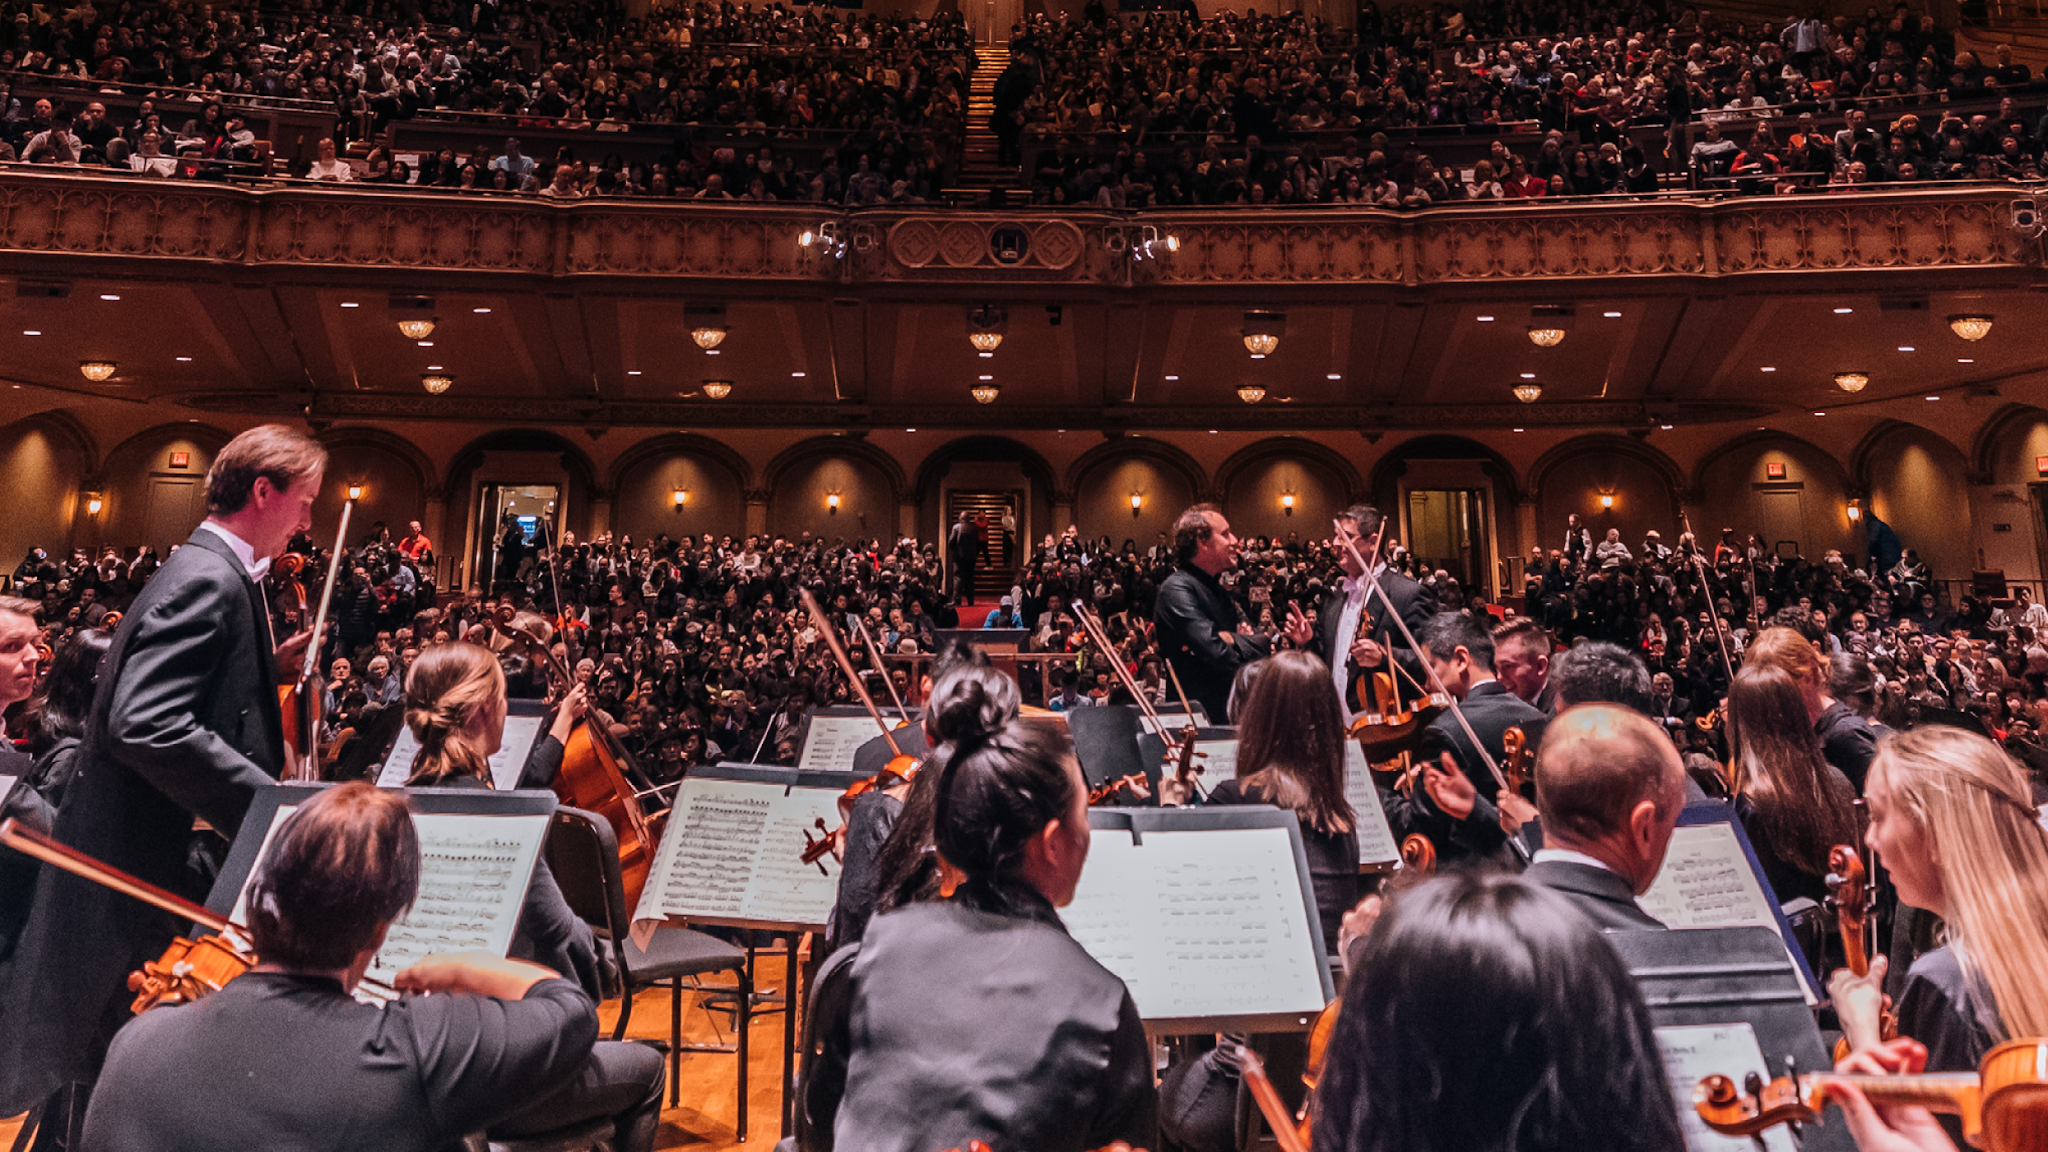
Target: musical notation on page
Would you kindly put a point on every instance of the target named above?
(733, 851)
(1707, 882)
(474, 872)
(1376, 843)
(832, 741)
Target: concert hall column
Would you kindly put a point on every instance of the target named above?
(757, 511)
(600, 512)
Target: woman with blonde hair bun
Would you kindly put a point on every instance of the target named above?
(455, 706)
(1952, 818)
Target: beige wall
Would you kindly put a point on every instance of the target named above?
(2013, 499)
(138, 473)
(1102, 502)
(1253, 502)
(644, 504)
(1642, 500)
(1916, 485)
(867, 507)
(391, 493)
(1811, 500)
(44, 473)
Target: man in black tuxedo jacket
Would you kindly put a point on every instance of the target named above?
(1200, 626)
(1336, 637)
(185, 726)
(1609, 788)
(1449, 803)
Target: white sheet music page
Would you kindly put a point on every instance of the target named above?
(833, 740)
(506, 766)
(1376, 844)
(733, 850)
(1693, 1052)
(1200, 923)
(1706, 882)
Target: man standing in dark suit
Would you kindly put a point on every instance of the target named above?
(1353, 654)
(185, 727)
(1450, 806)
(1198, 621)
(1609, 788)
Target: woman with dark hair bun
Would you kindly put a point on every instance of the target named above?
(977, 1017)
(1488, 1015)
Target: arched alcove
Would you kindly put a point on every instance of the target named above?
(1165, 480)
(154, 486)
(46, 459)
(1785, 490)
(1286, 487)
(646, 478)
(1609, 482)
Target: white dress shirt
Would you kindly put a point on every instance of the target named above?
(244, 551)
(1567, 856)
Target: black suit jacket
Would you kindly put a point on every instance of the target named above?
(1189, 612)
(185, 724)
(1603, 897)
(1415, 604)
(1491, 710)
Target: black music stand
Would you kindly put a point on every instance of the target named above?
(1731, 976)
(1105, 742)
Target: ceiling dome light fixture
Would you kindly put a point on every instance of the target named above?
(1528, 393)
(1251, 393)
(1546, 337)
(985, 393)
(1971, 328)
(436, 383)
(1852, 381)
(985, 327)
(718, 389)
(416, 329)
(708, 336)
(1548, 324)
(96, 370)
(1262, 332)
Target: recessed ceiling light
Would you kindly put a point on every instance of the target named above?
(1528, 375)
(796, 375)
(987, 355)
(350, 304)
(1843, 311)
(1966, 361)
(1518, 429)
(426, 343)
(433, 367)
(634, 372)
(1173, 377)
(1769, 369)
(1212, 431)
(1934, 397)
(1616, 316)
(109, 296)
(1258, 355)
(1820, 413)
(1905, 347)
(711, 351)
(1484, 319)
(1336, 376)
(1665, 427)
(31, 332)
(988, 377)
(481, 311)
(910, 429)
(184, 359)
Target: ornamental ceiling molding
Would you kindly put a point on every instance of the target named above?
(93, 216)
(329, 406)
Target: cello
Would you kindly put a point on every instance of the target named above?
(592, 776)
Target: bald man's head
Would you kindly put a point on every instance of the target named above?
(1597, 764)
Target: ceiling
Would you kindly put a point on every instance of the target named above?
(1414, 359)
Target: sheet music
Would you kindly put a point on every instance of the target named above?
(1376, 844)
(1172, 724)
(1695, 1051)
(733, 850)
(1216, 758)
(1199, 923)
(1706, 882)
(832, 742)
(506, 766)
(474, 872)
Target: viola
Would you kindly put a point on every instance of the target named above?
(2003, 1105)
(187, 971)
(1270, 1105)
(1516, 768)
(1418, 855)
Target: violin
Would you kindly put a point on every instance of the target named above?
(1516, 768)
(902, 766)
(188, 969)
(1854, 898)
(1135, 781)
(591, 776)
(1418, 855)
(2003, 1105)
(1385, 728)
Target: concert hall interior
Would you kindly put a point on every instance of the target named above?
(1023, 576)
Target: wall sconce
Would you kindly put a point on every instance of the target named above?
(355, 492)
(681, 496)
(94, 502)
(1855, 511)
(1137, 503)
(1287, 503)
(832, 503)
(1607, 500)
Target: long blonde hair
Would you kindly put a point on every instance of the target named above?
(1973, 800)
(445, 690)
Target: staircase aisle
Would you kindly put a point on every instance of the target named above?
(979, 170)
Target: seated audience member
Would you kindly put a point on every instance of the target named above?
(285, 1057)
(1483, 963)
(1609, 788)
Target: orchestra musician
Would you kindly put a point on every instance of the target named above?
(1198, 621)
(1847, 741)
(57, 722)
(1609, 788)
(1485, 1014)
(185, 726)
(1351, 652)
(976, 1017)
(1794, 805)
(285, 1057)
(1450, 805)
(1521, 659)
(455, 706)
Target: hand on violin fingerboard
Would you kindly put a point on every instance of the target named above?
(1860, 1002)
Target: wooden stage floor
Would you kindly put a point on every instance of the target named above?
(704, 1119)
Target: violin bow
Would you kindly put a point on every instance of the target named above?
(309, 756)
(1436, 682)
(825, 629)
(1706, 586)
(1100, 638)
(875, 660)
(56, 854)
